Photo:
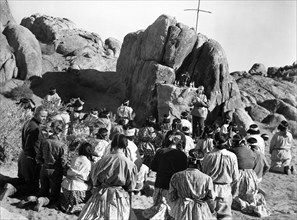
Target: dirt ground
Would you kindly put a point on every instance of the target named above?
(281, 198)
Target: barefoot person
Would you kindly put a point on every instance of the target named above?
(113, 177)
(280, 149)
(28, 171)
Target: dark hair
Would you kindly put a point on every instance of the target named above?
(57, 126)
(85, 149)
(283, 126)
(180, 142)
(220, 140)
(119, 141)
(102, 133)
(176, 124)
(121, 121)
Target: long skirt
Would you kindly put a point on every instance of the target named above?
(72, 198)
(160, 209)
(108, 204)
(248, 200)
(188, 209)
(280, 159)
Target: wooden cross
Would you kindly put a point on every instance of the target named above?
(197, 10)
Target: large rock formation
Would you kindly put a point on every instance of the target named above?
(8, 68)
(288, 73)
(151, 60)
(80, 49)
(266, 98)
(5, 13)
(26, 50)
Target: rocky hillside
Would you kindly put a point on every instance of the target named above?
(52, 51)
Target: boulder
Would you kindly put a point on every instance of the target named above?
(258, 69)
(257, 113)
(5, 214)
(265, 88)
(80, 49)
(8, 68)
(46, 28)
(280, 107)
(5, 13)
(166, 50)
(114, 45)
(173, 100)
(273, 119)
(288, 73)
(242, 119)
(26, 50)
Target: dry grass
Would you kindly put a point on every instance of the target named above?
(12, 119)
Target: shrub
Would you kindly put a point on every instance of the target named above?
(12, 119)
(22, 91)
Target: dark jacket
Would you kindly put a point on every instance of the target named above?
(31, 137)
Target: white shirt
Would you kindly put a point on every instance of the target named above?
(189, 144)
(187, 123)
(77, 174)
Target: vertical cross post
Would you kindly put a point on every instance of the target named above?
(197, 12)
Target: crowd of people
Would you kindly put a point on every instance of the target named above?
(202, 172)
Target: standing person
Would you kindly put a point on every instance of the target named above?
(221, 165)
(199, 112)
(76, 186)
(165, 125)
(113, 177)
(28, 171)
(191, 193)
(125, 111)
(104, 121)
(167, 161)
(52, 156)
(280, 149)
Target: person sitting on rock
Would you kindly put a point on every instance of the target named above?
(280, 150)
(125, 111)
(53, 97)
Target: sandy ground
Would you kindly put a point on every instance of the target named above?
(281, 197)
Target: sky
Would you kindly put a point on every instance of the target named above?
(250, 31)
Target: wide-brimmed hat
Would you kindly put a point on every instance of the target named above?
(252, 141)
(253, 129)
(186, 130)
(184, 114)
(166, 118)
(283, 125)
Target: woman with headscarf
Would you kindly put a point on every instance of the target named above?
(113, 177)
(280, 149)
(167, 161)
(191, 193)
(76, 186)
(146, 140)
